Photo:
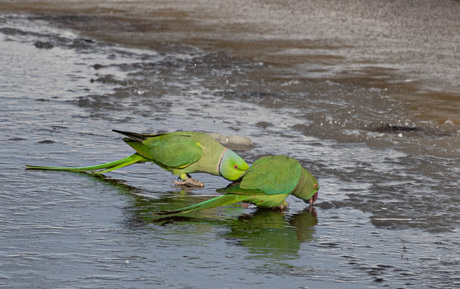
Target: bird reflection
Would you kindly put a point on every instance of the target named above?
(272, 235)
(267, 234)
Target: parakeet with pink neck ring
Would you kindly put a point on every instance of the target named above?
(180, 152)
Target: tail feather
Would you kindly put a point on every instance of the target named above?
(106, 167)
(212, 203)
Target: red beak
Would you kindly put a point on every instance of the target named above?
(313, 199)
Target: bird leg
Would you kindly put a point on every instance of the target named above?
(188, 181)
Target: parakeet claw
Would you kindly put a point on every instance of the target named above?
(189, 182)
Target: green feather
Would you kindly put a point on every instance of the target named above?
(175, 151)
(171, 150)
(110, 166)
(273, 175)
(212, 203)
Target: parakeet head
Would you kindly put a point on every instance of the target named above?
(232, 166)
(307, 188)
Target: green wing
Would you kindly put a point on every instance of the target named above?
(173, 150)
(170, 150)
(272, 175)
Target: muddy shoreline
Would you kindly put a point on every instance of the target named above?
(410, 47)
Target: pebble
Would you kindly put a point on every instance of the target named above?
(234, 141)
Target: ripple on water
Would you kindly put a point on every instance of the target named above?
(386, 213)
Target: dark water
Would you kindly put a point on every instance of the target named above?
(387, 213)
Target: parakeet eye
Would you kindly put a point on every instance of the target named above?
(316, 186)
(235, 167)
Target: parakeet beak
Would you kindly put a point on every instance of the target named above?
(313, 199)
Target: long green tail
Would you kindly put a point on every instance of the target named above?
(212, 203)
(97, 169)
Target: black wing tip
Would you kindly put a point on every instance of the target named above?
(122, 131)
(132, 135)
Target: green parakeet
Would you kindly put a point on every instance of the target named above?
(266, 184)
(181, 153)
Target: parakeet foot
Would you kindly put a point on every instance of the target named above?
(189, 182)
